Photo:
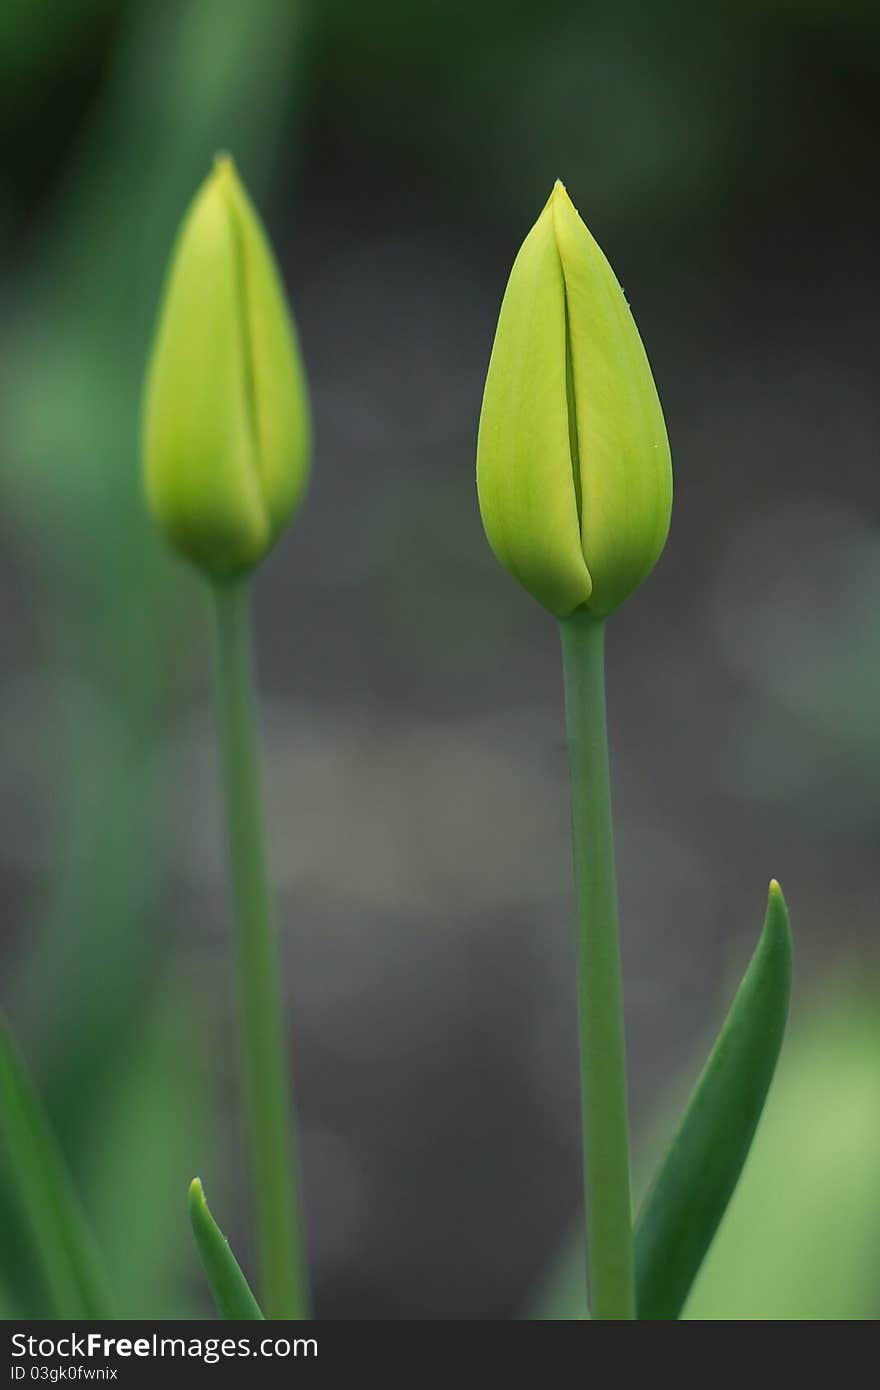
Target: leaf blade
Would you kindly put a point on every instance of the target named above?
(696, 1179)
(229, 1288)
(68, 1256)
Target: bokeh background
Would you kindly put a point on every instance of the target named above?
(724, 156)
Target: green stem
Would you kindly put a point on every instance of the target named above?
(275, 1171)
(600, 995)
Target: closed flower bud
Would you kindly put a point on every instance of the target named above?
(573, 468)
(226, 419)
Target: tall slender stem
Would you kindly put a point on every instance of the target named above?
(274, 1165)
(600, 995)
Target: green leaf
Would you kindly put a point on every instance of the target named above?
(800, 1238)
(228, 1285)
(694, 1184)
(64, 1244)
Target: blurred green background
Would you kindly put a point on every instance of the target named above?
(724, 157)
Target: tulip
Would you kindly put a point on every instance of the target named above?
(226, 443)
(226, 419)
(573, 467)
(575, 488)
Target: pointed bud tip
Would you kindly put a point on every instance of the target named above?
(775, 890)
(224, 173)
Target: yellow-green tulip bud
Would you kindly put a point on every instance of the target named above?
(573, 468)
(226, 418)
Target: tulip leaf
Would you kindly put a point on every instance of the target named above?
(64, 1245)
(695, 1181)
(229, 1287)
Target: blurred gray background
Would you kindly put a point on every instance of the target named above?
(415, 764)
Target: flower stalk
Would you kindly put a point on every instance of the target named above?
(600, 996)
(281, 1251)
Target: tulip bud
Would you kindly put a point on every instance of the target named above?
(226, 419)
(573, 468)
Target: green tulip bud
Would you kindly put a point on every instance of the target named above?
(573, 468)
(226, 419)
